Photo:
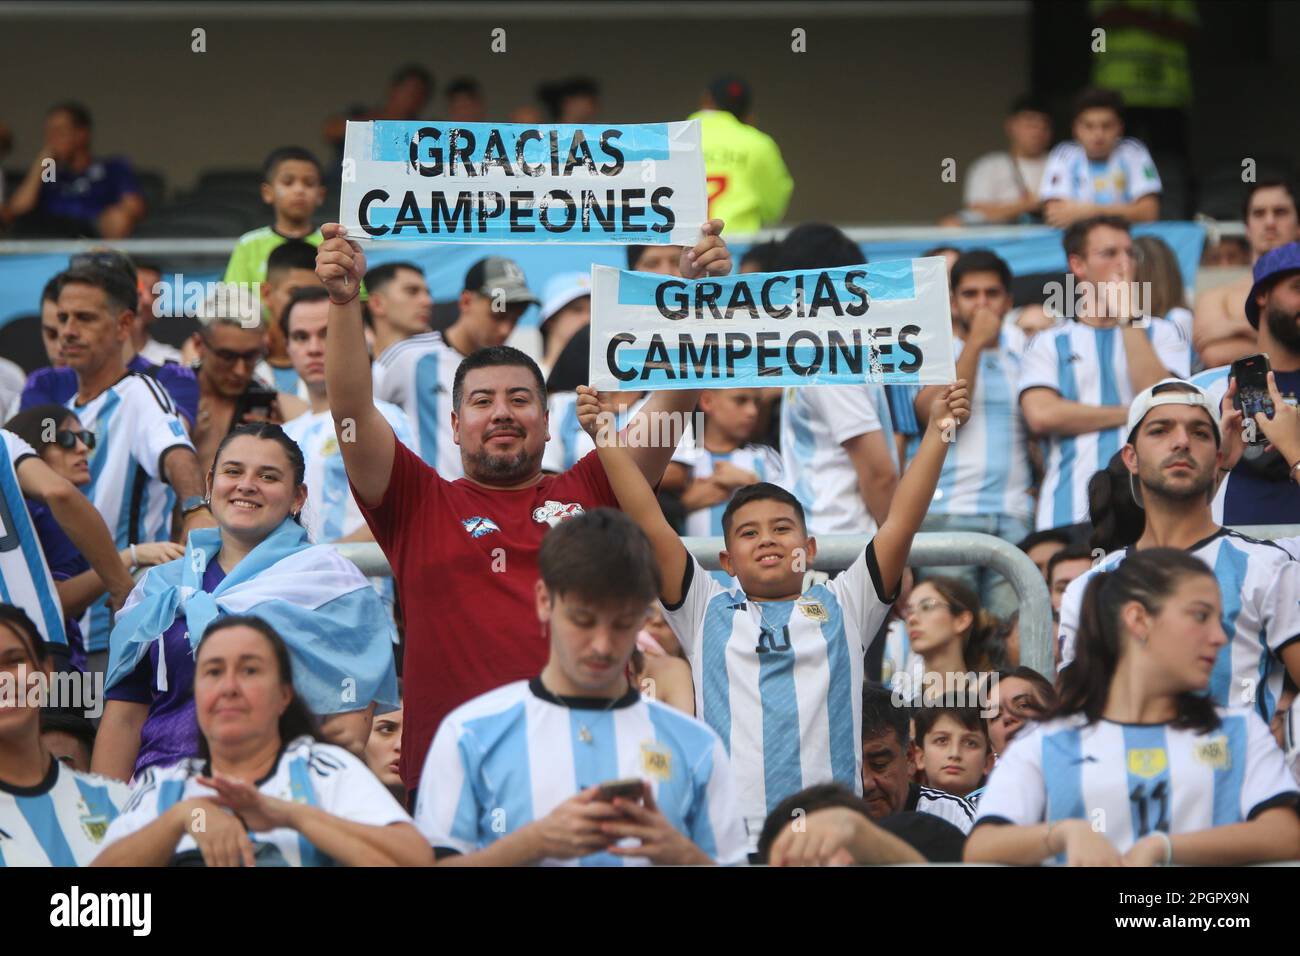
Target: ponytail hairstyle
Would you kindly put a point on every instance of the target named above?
(270, 432)
(979, 648)
(1149, 577)
(296, 721)
(1117, 519)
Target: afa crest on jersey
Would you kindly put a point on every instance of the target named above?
(478, 526)
(95, 826)
(656, 761)
(553, 512)
(1214, 753)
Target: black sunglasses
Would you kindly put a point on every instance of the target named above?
(68, 439)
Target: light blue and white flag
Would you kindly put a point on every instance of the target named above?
(887, 322)
(336, 627)
(514, 183)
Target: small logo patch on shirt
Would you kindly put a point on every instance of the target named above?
(1214, 753)
(553, 512)
(95, 827)
(478, 527)
(814, 611)
(656, 761)
(1148, 762)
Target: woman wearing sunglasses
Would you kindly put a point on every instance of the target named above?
(66, 451)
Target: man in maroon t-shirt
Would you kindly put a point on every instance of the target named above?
(464, 552)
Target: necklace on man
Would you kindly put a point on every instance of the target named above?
(584, 733)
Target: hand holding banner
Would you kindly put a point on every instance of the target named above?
(513, 183)
(887, 322)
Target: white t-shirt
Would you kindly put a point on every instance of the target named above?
(1125, 176)
(417, 375)
(1000, 178)
(1133, 779)
(781, 681)
(1085, 364)
(815, 423)
(307, 771)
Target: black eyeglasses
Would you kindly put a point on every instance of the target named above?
(68, 439)
(230, 356)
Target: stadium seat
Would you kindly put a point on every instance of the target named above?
(198, 221)
(153, 187)
(248, 181)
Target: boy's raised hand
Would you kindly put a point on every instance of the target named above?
(951, 406)
(590, 408)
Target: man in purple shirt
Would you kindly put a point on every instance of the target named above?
(68, 192)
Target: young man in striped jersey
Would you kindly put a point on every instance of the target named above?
(984, 486)
(514, 776)
(143, 463)
(398, 304)
(778, 672)
(1077, 379)
(1174, 451)
(417, 374)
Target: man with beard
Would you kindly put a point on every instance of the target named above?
(1174, 450)
(1260, 490)
(464, 552)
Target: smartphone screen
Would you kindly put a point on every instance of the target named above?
(1253, 398)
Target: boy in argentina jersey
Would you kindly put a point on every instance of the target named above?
(1173, 451)
(778, 673)
(515, 775)
(50, 814)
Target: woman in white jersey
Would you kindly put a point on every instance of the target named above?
(267, 790)
(1135, 766)
(950, 635)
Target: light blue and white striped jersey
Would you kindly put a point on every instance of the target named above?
(1126, 175)
(986, 471)
(1133, 779)
(416, 375)
(1259, 587)
(815, 423)
(25, 579)
(569, 443)
(781, 681)
(331, 512)
(509, 757)
(307, 771)
(1089, 365)
(60, 822)
(135, 423)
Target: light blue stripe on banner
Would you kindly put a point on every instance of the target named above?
(1063, 774)
(41, 816)
(782, 771)
(595, 761)
(1063, 497)
(716, 691)
(1230, 570)
(884, 281)
(839, 699)
(303, 792)
(33, 556)
(505, 768)
(1146, 761)
(1230, 773)
(426, 407)
(1107, 440)
(391, 143)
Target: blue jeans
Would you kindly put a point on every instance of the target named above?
(995, 592)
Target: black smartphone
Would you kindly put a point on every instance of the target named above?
(629, 789)
(1253, 398)
(256, 400)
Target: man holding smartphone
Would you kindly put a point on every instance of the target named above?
(1261, 488)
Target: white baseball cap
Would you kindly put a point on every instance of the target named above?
(563, 289)
(1162, 394)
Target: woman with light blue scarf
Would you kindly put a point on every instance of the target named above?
(259, 561)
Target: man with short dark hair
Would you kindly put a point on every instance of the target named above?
(1078, 378)
(67, 192)
(464, 552)
(524, 774)
(289, 266)
(465, 101)
(1062, 568)
(398, 305)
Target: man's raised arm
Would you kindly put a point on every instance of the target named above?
(365, 438)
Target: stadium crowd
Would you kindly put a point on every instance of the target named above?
(575, 686)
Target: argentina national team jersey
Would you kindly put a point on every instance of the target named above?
(417, 375)
(569, 442)
(331, 512)
(1130, 780)
(1259, 585)
(307, 771)
(509, 757)
(1125, 176)
(815, 424)
(986, 470)
(1089, 365)
(781, 681)
(62, 821)
(25, 579)
(135, 423)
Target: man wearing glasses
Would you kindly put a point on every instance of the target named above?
(1077, 380)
